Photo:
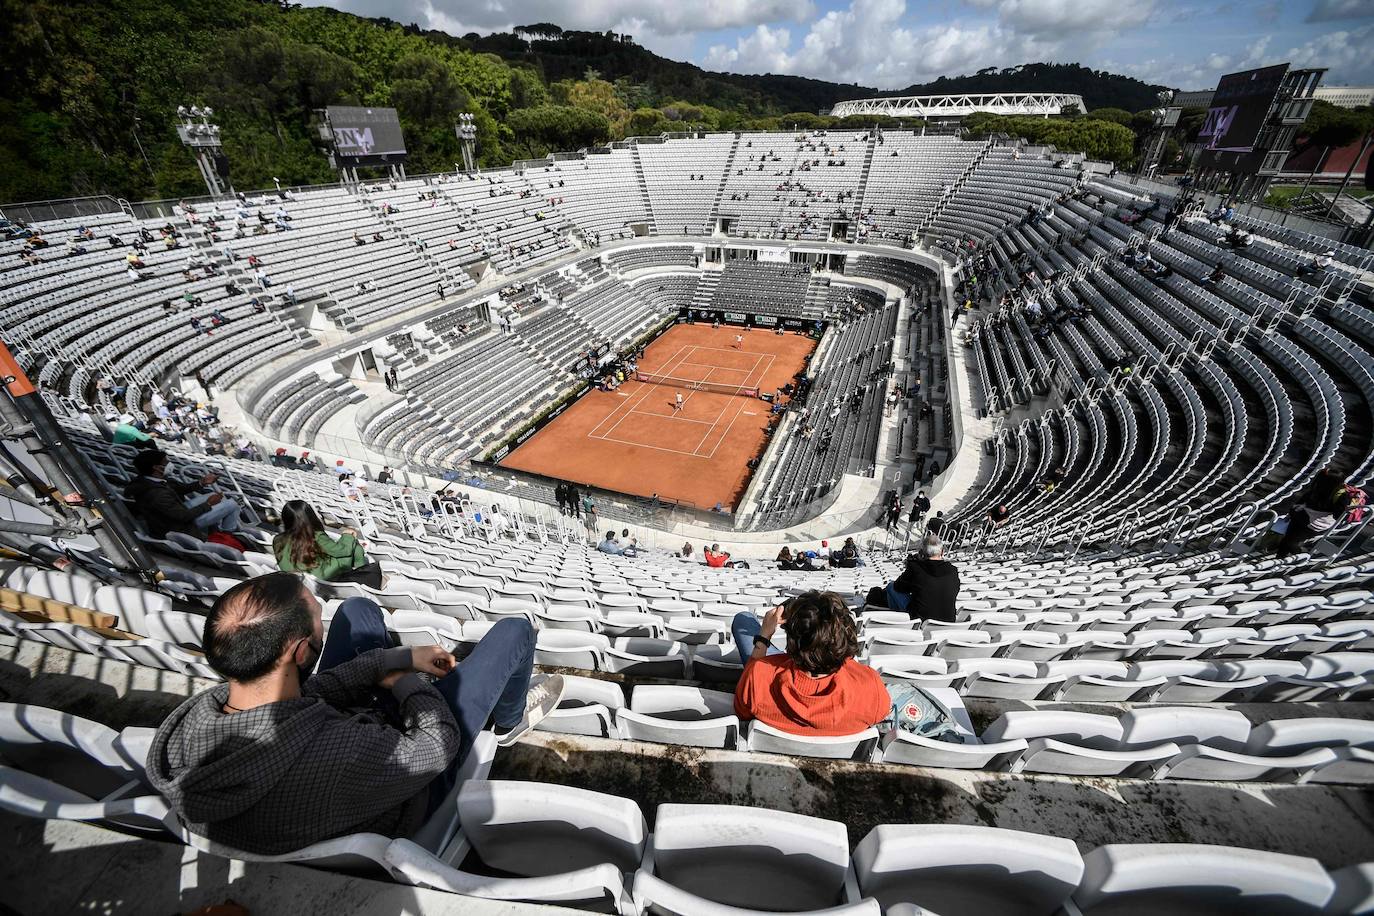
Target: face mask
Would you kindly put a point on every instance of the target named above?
(304, 669)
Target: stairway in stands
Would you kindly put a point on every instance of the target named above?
(706, 289)
(858, 208)
(929, 219)
(817, 293)
(724, 177)
(644, 187)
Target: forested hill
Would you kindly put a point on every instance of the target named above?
(89, 91)
(1099, 88)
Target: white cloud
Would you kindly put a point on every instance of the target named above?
(1345, 52)
(1058, 17)
(1331, 10)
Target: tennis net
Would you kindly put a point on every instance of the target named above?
(655, 378)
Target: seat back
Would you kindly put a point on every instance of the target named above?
(1195, 879)
(956, 869)
(751, 857)
(539, 829)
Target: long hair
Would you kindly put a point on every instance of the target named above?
(821, 632)
(299, 525)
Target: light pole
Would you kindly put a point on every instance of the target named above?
(202, 139)
(466, 130)
(139, 144)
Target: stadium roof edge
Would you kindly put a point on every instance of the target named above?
(958, 106)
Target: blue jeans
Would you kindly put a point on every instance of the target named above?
(745, 627)
(223, 515)
(490, 684)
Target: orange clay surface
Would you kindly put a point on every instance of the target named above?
(635, 440)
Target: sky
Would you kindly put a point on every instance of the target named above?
(890, 44)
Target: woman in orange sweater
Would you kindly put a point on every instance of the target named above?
(816, 687)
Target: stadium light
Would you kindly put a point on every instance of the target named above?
(466, 129)
(202, 139)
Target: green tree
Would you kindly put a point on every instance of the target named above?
(1117, 115)
(548, 128)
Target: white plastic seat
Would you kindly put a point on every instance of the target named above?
(665, 610)
(568, 617)
(1198, 761)
(697, 631)
(1184, 879)
(765, 739)
(499, 608)
(33, 796)
(1191, 682)
(450, 602)
(536, 829)
(631, 623)
(588, 707)
(927, 671)
(180, 628)
(130, 605)
(899, 642)
(599, 887)
(967, 871)
(680, 715)
(716, 664)
(59, 586)
(646, 657)
(1291, 736)
(752, 858)
(1073, 743)
(1222, 728)
(965, 752)
(571, 649)
(1095, 680)
(1005, 678)
(68, 750)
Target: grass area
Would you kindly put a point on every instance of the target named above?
(1281, 196)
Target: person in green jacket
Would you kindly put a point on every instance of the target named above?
(303, 546)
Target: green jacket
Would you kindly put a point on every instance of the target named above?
(124, 434)
(336, 556)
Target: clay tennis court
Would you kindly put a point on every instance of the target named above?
(637, 440)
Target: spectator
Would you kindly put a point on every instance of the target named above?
(304, 546)
(1216, 276)
(936, 525)
(919, 507)
(686, 551)
(926, 589)
(847, 557)
(1317, 264)
(277, 758)
(716, 558)
(997, 517)
(177, 506)
(611, 545)
(588, 515)
(128, 434)
(816, 687)
(384, 476)
(784, 559)
(1320, 508)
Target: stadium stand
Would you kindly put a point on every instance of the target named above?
(1160, 394)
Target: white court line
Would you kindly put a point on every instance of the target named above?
(634, 401)
(738, 411)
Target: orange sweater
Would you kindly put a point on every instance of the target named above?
(778, 693)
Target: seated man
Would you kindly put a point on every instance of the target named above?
(926, 589)
(279, 758)
(165, 505)
(611, 545)
(816, 687)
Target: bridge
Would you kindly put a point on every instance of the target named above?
(958, 106)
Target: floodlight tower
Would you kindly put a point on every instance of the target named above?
(202, 139)
(466, 130)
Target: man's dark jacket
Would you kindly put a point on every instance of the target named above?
(161, 504)
(933, 586)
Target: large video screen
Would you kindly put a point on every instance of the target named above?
(363, 135)
(1239, 107)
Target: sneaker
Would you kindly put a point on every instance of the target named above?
(545, 692)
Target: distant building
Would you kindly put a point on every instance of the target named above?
(1347, 96)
